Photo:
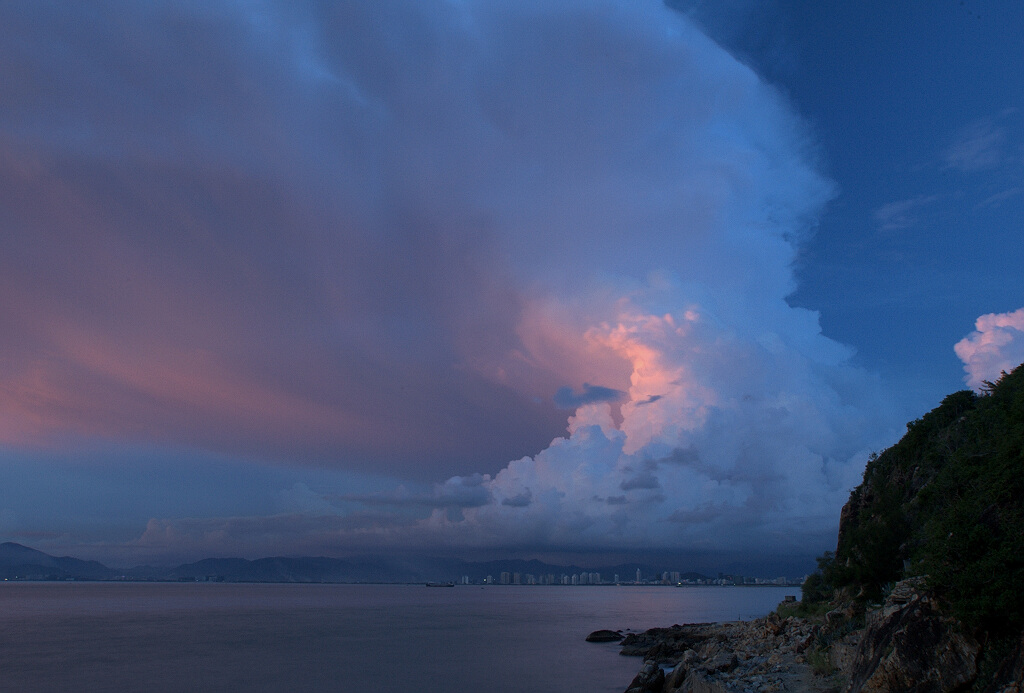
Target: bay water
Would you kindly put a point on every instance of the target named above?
(199, 637)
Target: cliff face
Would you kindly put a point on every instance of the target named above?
(930, 557)
(884, 526)
(909, 645)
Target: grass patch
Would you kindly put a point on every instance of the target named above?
(814, 611)
(819, 662)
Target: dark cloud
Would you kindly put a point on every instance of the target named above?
(702, 514)
(565, 398)
(643, 480)
(688, 456)
(285, 534)
(208, 242)
(520, 500)
(456, 492)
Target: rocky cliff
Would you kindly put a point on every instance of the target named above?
(930, 555)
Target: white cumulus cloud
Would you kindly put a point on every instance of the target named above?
(726, 440)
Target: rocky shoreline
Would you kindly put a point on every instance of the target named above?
(904, 644)
(767, 654)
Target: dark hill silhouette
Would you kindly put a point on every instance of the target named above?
(17, 561)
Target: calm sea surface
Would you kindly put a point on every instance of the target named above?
(358, 638)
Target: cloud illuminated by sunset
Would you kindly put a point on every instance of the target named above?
(995, 346)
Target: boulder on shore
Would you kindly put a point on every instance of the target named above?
(605, 636)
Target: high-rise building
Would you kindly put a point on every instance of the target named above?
(506, 578)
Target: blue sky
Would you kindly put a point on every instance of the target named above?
(560, 279)
(917, 111)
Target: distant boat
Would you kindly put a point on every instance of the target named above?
(440, 584)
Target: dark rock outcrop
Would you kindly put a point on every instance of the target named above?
(665, 644)
(605, 636)
(908, 646)
(651, 679)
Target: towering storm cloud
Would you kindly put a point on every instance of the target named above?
(404, 238)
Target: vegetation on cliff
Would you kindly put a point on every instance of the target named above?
(946, 501)
(940, 517)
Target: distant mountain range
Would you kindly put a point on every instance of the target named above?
(19, 562)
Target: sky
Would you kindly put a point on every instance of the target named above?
(576, 279)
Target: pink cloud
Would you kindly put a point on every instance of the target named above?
(996, 345)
